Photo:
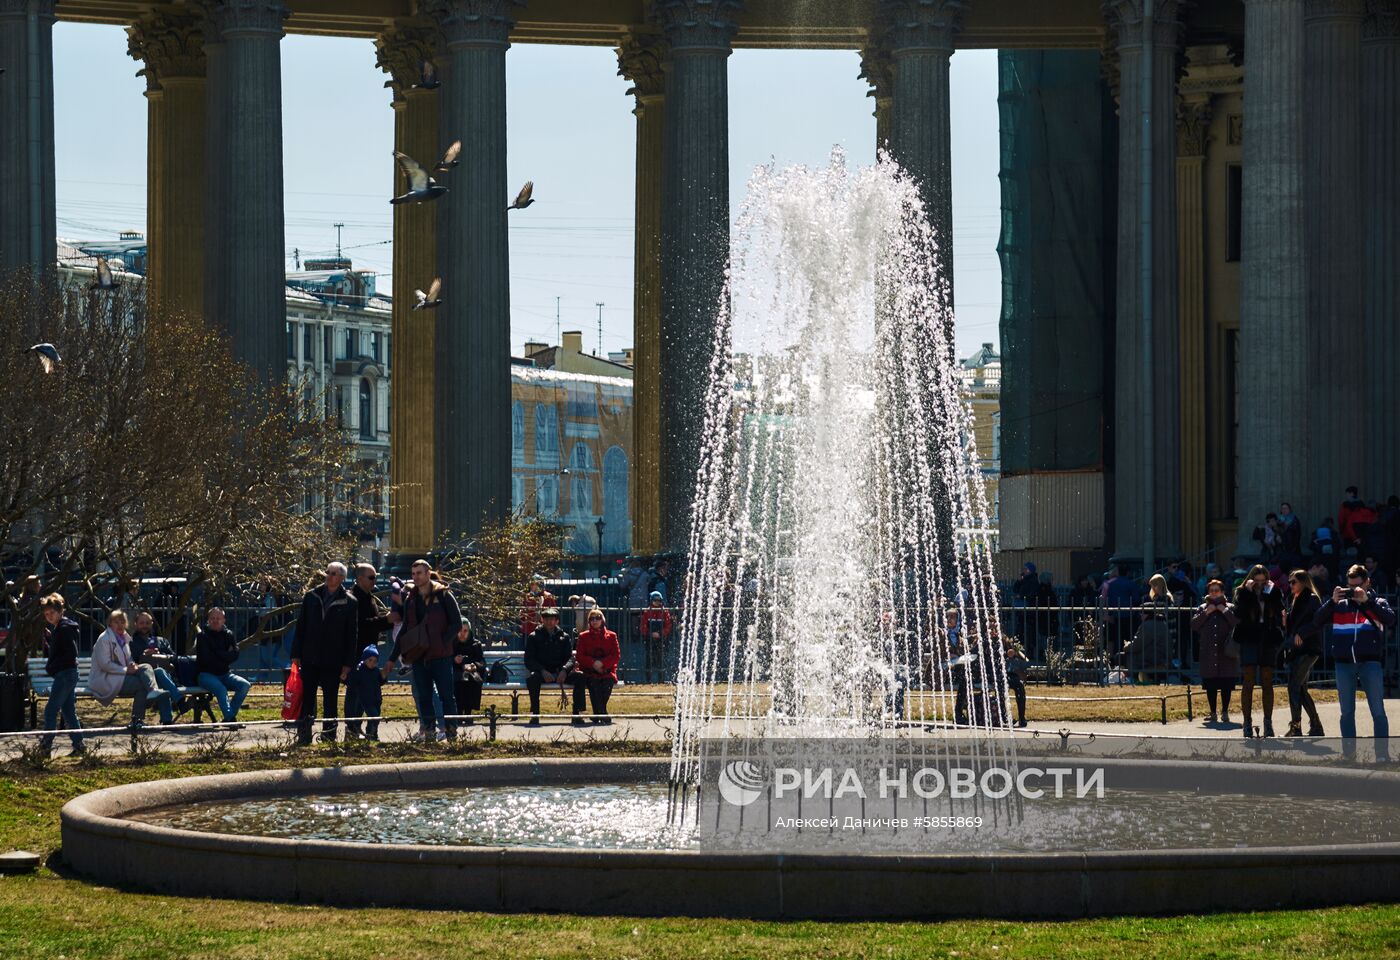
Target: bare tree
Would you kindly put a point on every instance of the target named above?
(491, 572)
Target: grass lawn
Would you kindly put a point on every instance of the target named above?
(51, 914)
(1085, 703)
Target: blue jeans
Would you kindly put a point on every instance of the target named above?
(429, 676)
(1368, 675)
(63, 699)
(220, 686)
(168, 684)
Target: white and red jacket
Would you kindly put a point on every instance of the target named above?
(1358, 629)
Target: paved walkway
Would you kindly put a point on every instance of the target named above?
(555, 728)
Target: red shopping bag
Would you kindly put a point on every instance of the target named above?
(291, 694)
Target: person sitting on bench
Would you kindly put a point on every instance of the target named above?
(595, 667)
(549, 658)
(115, 673)
(216, 651)
(155, 651)
(469, 671)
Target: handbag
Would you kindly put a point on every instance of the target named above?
(1232, 648)
(413, 643)
(292, 694)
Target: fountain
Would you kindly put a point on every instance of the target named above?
(839, 513)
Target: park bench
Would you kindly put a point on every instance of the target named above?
(40, 683)
(514, 663)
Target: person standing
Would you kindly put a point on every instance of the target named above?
(215, 652)
(371, 616)
(549, 658)
(1260, 636)
(1359, 619)
(1149, 653)
(326, 648)
(1302, 647)
(62, 666)
(469, 671)
(1016, 664)
(115, 673)
(364, 694)
(431, 620)
(1214, 624)
(535, 601)
(596, 656)
(656, 624)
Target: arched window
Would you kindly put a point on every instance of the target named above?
(517, 433)
(366, 409)
(617, 536)
(546, 435)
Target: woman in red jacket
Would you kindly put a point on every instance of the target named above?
(596, 655)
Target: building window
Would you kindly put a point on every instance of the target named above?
(308, 343)
(326, 344)
(581, 458)
(366, 410)
(352, 343)
(1234, 192)
(376, 347)
(291, 340)
(546, 435)
(517, 432)
(388, 349)
(340, 406)
(617, 537)
(547, 495)
(581, 496)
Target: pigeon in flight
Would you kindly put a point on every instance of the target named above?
(427, 77)
(429, 300)
(47, 354)
(449, 159)
(103, 280)
(421, 187)
(522, 199)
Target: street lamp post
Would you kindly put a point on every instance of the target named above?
(599, 526)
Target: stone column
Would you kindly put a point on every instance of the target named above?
(1332, 195)
(471, 483)
(694, 237)
(172, 47)
(412, 444)
(1380, 150)
(245, 265)
(639, 60)
(1274, 357)
(27, 226)
(1142, 476)
(877, 69)
(1193, 137)
(919, 35)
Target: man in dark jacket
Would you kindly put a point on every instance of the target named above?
(215, 652)
(549, 658)
(372, 617)
(1359, 619)
(150, 648)
(326, 647)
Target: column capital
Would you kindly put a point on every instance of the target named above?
(1125, 18)
(472, 23)
(877, 67)
(170, 43)
(1334, 9)
(1193, 119)
(230, 18)
(1382, 20)
(401, 51)
(920, 25)
(697, 25)
(639, 60)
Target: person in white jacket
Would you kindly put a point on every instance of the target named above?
(115, 673)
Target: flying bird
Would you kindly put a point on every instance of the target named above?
(47, 354)
(522, 199)
(449, 159)
(427, 77)
(421, 187)
(429, 300)
(103, 280)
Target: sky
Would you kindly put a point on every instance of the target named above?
(570, 130)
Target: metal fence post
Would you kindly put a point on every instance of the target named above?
(491, 722)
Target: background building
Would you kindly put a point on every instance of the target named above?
(981, 379)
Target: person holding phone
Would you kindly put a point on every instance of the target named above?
(1260, 635)
(1359, 619)
(1214, 624)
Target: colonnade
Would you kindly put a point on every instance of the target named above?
(1321, 230)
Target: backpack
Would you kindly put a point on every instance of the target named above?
(497, 673)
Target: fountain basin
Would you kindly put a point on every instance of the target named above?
(103, 844)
